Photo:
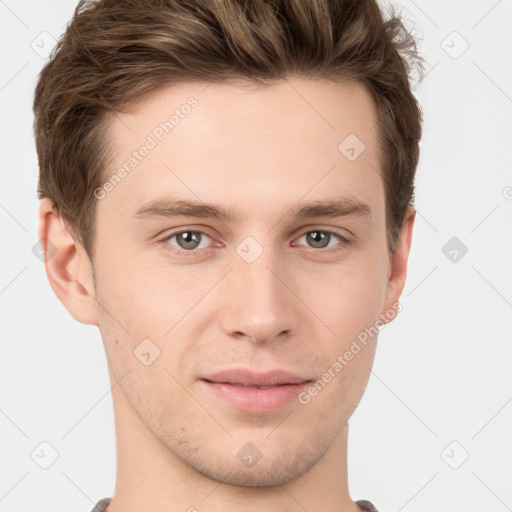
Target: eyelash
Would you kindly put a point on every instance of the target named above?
(175, 250)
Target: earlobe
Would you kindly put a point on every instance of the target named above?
(67, 264)
(398, 264)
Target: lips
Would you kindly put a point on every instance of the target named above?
(253, 392)
(248, 378)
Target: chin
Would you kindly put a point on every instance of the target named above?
(266, 468)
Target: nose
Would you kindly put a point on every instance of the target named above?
(260, 304)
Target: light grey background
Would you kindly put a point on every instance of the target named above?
(441, 387)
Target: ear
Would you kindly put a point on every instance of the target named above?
(397, 272)
(67, 264)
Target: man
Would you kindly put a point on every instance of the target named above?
(227, 194)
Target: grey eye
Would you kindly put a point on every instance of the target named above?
(189, 240)
(318, 239)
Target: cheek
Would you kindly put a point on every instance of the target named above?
(350, 307)
(143, 298)
(350, 296)
(158, 302)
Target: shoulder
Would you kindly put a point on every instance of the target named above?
(102, 505)
(366, 506)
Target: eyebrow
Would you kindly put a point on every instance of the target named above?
(167, 207)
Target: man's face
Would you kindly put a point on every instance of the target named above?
(265, 290)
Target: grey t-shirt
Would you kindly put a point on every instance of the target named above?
(364, 505)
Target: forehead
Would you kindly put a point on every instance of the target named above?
(240, 142)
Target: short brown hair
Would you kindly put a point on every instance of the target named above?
(115, 52)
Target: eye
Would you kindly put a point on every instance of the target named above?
(322, 238)
(188, 240)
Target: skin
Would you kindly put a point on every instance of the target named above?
(260, 151)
